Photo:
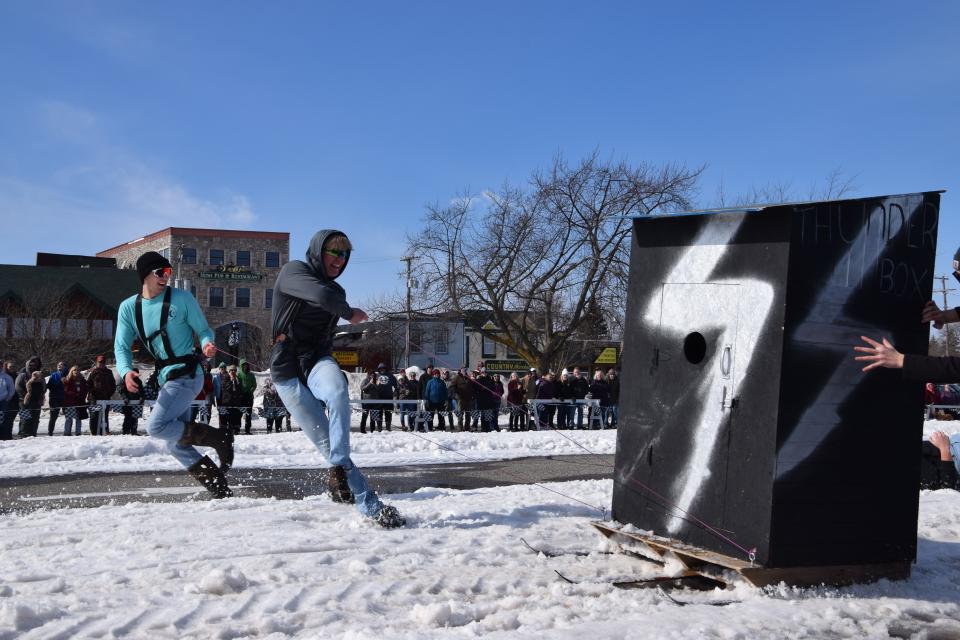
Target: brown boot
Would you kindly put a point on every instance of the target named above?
(206, 436)
(207, 474)
(337, 483)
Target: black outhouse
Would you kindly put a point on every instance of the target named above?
(746, 425)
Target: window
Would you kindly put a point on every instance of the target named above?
(416, 337)
(165, 253)
(243, 258)
(442, 338)
(215, 297)
(189, 255)
(271, 259)
(242, 297)
(216, 258)
(102, 329)
(23, 327)
(268, 299)
(489, 348)
(513, 355)
(50, 327)
(75, 328)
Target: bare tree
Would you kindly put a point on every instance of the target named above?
(55, 325)
(541, 257)
(836, 184)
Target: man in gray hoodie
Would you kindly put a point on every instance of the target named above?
(307, 305)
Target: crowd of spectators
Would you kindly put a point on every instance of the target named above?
(478, 400)
(456, 400)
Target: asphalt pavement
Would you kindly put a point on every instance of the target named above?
(22, 495)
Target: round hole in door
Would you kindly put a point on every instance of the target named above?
(695, 348)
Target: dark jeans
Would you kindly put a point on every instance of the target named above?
(29, 422)
(8, 411)
(437, 408)
(54, 414)
(130, 420)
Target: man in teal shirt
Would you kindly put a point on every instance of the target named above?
(165, 321)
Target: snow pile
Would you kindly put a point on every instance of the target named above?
(250, 567)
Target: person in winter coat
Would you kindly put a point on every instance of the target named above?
(498, 387)
(487, 401)
(613, 412)
(368, 391)
(55, 395)
(218, 377)
(465, 395)
(580, 387)
(33, 400)
(406, 394)
(307, 305)
(451, 403)
(29, 417)
(547, 390)
(530, 383)
(132, 408)
(515, 403)
(8, 400)
(386, 390)
(600, 391)
(232, 398)
(436, 398)
(248, 384)
(272, 407)
(102, 387)
(75, 394)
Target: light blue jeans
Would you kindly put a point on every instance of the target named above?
(170, 413)
(322, 409)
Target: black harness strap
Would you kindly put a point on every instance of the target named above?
(190, 361)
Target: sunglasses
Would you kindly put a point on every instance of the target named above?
(343, 255)
(162, 272)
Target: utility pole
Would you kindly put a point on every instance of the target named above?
(946, 327)
(406, 343)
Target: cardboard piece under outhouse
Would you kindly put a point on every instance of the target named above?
(746, 425)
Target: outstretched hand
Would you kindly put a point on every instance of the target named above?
(932, 313)
(879, 354)
(209, 350)
(359, 315)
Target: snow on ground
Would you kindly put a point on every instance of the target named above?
(60, 455)
(264, 568)
(277, 569)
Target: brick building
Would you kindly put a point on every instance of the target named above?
(231, 274)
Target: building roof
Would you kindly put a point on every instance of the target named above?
(189, 231)
(71, 260)
(109, 287)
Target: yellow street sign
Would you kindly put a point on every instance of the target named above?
(346, 358)
(607, 356)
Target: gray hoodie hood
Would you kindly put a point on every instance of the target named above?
(315, 252)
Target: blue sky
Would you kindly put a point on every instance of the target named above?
(122, 118)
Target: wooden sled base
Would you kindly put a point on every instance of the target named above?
(728, 571)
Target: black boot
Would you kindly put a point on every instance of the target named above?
(206, 436)
(207, 474)
(337, 483)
